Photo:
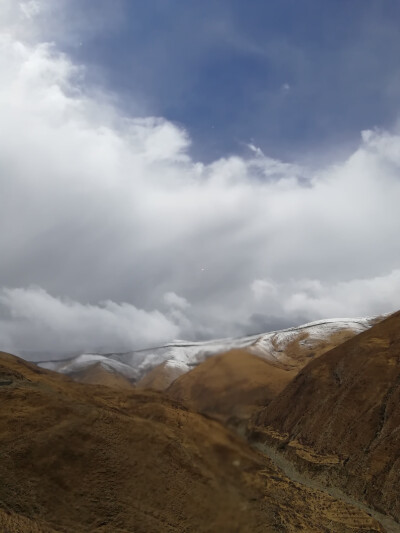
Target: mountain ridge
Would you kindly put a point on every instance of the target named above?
(339, 418)
(182, 356)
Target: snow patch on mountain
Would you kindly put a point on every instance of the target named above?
(183, 355)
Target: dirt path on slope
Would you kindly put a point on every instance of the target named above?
(292, 473)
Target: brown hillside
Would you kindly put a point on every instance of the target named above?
(230, 385)
(96, 374)
(82, 458)
(288, 351)
(341, 416)
(160, 377)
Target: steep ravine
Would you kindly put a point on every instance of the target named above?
(287, 467)
(339, 419)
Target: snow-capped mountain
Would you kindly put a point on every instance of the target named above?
(182, 355)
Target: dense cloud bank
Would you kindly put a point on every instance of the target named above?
(113, 237)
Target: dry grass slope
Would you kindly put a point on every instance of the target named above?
(160, 377)
(346, 404)
(82, 458)
(231, 385)
(96, 374)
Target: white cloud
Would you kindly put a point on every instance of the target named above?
(97, 206)
(255, 149)
(313, 299)
(30, 9)
(173, 300)
(56, 324)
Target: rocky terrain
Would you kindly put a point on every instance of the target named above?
(339, 419)
(86, 458)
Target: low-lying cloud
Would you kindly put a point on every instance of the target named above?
(39, 319)
(314, 299)
(99, 207)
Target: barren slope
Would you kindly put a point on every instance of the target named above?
(340, 417)
(96, 374)
(160, 377)
(230, 385)
(81, 458)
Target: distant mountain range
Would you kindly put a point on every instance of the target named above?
(179, 357)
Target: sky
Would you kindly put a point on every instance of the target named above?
(182, 169)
